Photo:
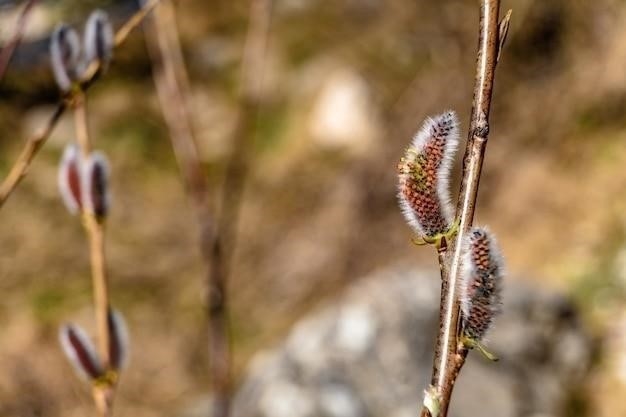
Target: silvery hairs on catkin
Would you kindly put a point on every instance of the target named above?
(424, 176)
(481, 282)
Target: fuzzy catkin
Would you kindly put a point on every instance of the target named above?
(118, 342)
(65, 56)
(69, 179)
(80, 352)
(98, 39)
(95, 186)
(84, 182)
(424, 176)
(481, 282)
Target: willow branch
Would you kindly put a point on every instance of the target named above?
(103, 393)
(240, 158)
(7, 52)
(216, 238)
(170, 81)
(20, 168)
(450, 354)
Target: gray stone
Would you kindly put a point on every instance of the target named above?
(370, 354)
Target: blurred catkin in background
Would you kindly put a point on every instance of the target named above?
(345, 85)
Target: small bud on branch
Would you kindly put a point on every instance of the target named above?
(98, 40)
(118, 342)
(424, 177)
(69, 179)
(95, 185)
(84, 183)
(80, 351)
(65, 56)
(432, 401)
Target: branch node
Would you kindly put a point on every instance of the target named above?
(481, 130)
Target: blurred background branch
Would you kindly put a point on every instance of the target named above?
(34, 143)
(7, 50)
(217, 239)
(328, 303)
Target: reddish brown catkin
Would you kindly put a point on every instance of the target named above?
(81, 352)
(481, 282)
(424, 176)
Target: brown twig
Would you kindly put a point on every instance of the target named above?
(168, 72)
(450, 354)
(20, 167)
(7, 52)
(134, 21)
(102, 393)
(80, 123)
(34, 143)
(216, 239)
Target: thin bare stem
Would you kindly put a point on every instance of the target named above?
(7, 52)
(103, 393)
(34, 143)
(240, 158)
(450, 354)
(168, 70)
(95, 231)
(80, 124)
(134, 21)
(216, 238)
(249, 97)
(20, 167)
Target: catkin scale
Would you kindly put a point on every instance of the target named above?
(423, 176)
(84, 182)
(98, 39)
(118, 342)
(65, 56)
(80, 352)
(69, 179)
(95, 185)
(481, 281)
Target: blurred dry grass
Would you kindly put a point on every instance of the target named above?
(317, 214)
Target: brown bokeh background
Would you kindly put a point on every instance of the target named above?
(345, 85)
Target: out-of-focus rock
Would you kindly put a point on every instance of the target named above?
(344, 116)
(370, 354)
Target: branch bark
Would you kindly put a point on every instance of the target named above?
(103, 393)
(450, 354)
(7, 52)
(20, 168)
(217, 238)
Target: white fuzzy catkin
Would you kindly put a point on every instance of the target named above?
(424, 176)
(481, 282)
(119, 342)
(65, 56)
(80, 351)
(95, 185)
(70, 177)
(84, 183)
(98, 39)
